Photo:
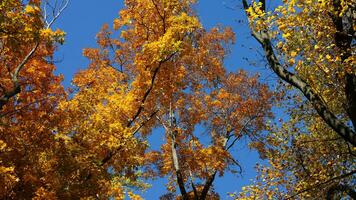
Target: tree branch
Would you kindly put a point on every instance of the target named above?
(148, 91)
(55, 16)
(16, 85)
(112, 153)
(179, 175)
(207, 186)
(242, 129)
(340, 188)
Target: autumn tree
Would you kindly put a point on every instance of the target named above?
(29, 93)
(308, 44)
(162, 70)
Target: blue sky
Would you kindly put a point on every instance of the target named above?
(83, 19)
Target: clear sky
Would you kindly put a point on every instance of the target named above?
(83, 19)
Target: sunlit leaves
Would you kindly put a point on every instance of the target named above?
(158, 67)
(310, 41)
(162, 62)
(306, 35)
(29, 160)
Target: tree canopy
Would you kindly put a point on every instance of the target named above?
(157, 67)
(311, 46)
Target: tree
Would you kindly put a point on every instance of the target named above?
(29, 94)
(163, 70)
(309, 45)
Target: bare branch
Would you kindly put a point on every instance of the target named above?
(241, 131)
(56, 15)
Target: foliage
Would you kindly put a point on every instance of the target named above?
(163, 70)
(302, 162)
(26, 120)
(309, 45)
(159, 68)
